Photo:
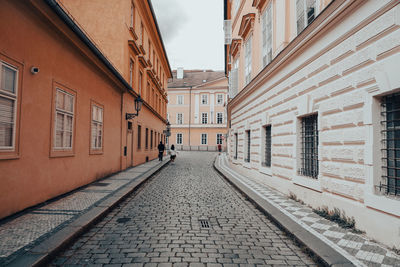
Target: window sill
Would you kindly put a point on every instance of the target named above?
(382, 203)
(308, 182)
(9, 155)
(96, 152)
(61, 153)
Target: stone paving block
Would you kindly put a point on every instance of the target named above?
(165, 227)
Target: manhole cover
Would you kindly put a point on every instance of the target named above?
(123, 220)
(204, 224)
(101, 184)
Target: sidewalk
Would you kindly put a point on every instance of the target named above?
(332, 244)
(30, 238)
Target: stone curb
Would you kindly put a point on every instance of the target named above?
(42, 253)
(325, 253)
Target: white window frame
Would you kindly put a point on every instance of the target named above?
(65, 114)
(10, 96)
(177, 118)
(267, 35)
(248, 59)
(222, 117)
(204, 99)
(219, 135)
(131, 68)
(179, 137)
(204, 118)
(206, 139)
(180, 100)
(304, 10)
(236, 63)
(220, 97)
(140, 82)
(97, 127)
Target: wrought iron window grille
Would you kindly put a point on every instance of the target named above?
(309, 147)
(390, 183)
(267, 156)
(248, 146)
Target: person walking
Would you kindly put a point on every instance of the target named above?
(172, 152)
(219, 149)
(161, 149)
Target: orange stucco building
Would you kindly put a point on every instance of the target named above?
(128, 35)
(64, 99)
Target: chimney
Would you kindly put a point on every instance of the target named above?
(179, 73)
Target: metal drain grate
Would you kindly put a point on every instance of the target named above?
(101, 184)
(123, 220)
(204, 224)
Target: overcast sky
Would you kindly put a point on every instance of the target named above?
(192, 31)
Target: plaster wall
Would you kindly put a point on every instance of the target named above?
(34, 175)
(339, 75)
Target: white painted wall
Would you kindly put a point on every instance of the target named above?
(342, 85)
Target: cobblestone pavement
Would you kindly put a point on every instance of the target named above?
(187, 215)
(20, 234)
(360, 250)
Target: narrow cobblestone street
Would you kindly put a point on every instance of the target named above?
(161, 225)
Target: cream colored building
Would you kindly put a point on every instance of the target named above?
(196, 109)
(314, 105)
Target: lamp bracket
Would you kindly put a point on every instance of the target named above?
(129, 116)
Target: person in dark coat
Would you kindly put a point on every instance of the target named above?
(161, 149)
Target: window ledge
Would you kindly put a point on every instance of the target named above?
(382, 203)
(307, 182)
(61, 153)
(96, 152)
(8, 155)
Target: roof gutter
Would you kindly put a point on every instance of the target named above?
(71, 24)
